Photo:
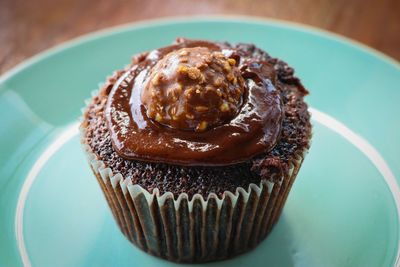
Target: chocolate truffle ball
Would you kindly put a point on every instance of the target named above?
(193, 89)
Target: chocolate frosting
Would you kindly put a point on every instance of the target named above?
(252, 130)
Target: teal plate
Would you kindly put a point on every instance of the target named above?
(343, 209)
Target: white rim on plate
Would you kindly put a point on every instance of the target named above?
(328, 121)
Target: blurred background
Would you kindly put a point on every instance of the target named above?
(28, 27)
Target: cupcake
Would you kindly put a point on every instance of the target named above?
(196, 146)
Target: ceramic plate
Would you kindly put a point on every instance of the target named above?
(343, 209)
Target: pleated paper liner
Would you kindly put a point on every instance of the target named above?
(193, 230)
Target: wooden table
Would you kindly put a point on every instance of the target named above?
(28, 27)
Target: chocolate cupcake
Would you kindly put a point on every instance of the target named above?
(196, 147)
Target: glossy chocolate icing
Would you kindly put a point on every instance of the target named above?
(252, 131)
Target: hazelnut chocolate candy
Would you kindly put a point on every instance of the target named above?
(193, 89)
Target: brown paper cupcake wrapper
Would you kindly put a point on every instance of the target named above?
(181, 229)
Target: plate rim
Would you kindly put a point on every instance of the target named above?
(322, 118)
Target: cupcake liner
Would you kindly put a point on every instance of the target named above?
(197, 229)
(193, 230)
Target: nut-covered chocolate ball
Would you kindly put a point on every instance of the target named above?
(193, 89)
